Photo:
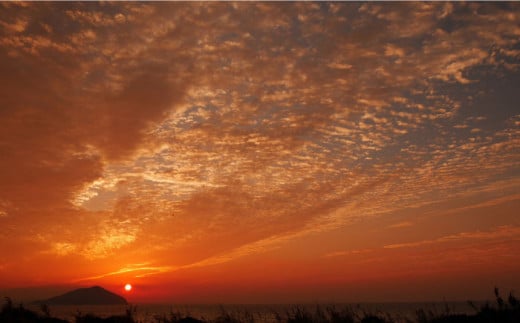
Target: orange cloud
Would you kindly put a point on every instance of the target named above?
(190, 135)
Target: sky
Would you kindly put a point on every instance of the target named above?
(260, 152)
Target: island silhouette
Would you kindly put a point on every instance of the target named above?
(95, 295)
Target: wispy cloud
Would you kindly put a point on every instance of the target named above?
(137, 270)
(501, 232)
(347, 253)
(404, 224)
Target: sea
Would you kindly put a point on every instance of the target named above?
(259, 313)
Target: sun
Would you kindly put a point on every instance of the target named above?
(128, 287)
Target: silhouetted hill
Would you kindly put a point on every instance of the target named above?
(87, 296)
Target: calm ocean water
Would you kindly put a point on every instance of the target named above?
(261, 313)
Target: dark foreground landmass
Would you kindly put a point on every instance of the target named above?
(87, 296)
(504, 311)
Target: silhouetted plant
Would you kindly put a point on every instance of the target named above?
(512, 300)
(473, 306)
(277, 317)
(227, 317)
(299, 315)
(20, 314)
(500, 301)
(45, 310)
(8, 304)
(177, 317)
(340, 316)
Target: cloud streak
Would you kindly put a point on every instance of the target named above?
(504, 232)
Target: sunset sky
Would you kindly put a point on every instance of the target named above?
(260, 152)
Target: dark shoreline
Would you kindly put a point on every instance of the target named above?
(501, 310)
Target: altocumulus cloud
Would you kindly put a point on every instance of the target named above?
(162, 127)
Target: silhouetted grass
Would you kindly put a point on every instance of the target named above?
(19, 314)
(503, 311)
(342, 314)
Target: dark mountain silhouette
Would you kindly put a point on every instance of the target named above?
(87, 296)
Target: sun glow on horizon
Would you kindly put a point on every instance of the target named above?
(128, 287)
